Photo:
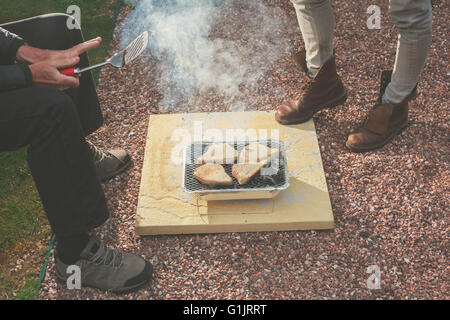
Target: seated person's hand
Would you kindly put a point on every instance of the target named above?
(45, 64)
(48, 75)
(30, 55)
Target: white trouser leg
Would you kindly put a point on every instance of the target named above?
(413, 19)
(316, 21)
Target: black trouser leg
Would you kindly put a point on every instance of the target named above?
(47, 120)
(51, 32)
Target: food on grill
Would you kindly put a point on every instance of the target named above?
(221, 153)
(213, 174)
(243, 172)
(263, 180)
(258, 152)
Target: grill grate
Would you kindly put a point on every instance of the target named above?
(276, 180)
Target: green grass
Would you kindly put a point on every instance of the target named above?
(22, 218)
(21, 221)
(28, 291)
(21, 212)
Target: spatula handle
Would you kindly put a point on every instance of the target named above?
(76, 72)
(68, 72)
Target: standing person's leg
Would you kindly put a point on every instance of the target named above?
(413, 19)
(316, 21)
(51, 32)
(397, 88)
(64, 173)
(322, 86)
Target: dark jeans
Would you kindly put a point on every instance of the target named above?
(54, 125)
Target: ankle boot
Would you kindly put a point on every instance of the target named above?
(383, 123)
(324, 90)
(109, 164)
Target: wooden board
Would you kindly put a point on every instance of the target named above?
(163, 207)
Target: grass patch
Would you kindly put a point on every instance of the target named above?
(21, 212)
(29, 290)
(24, 229)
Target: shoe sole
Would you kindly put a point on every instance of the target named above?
(377, 146)
(118, 171)
(123, 290)
(334, 103)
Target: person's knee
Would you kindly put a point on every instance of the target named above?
(59, 104)
(55, 111)
(411, 16)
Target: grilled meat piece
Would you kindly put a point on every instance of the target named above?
(243, 172)
(212, 174)
(257, 152)
(220, 153)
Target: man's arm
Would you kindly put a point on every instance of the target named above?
(9, 44)
(12, 76)
(15, 77)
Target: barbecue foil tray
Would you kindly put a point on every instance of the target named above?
(259, 187)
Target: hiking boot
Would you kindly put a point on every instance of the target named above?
(324, 90)
(109, 163)
(107, 269)
(383, 123)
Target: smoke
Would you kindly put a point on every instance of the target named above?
(206, 48)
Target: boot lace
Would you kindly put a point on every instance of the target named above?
(97, 154)
(110, 257)
(305, 87)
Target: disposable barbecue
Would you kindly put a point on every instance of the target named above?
(248, 180)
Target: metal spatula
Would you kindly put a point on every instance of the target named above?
(120, 59)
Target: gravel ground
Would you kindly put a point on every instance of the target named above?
(389, 205)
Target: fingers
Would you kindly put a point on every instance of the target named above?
(66, 82)
(86, 46)
(45, 74)
(69, 58)
(66, 61)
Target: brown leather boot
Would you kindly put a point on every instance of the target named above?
(324, 90)
(383, 123)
